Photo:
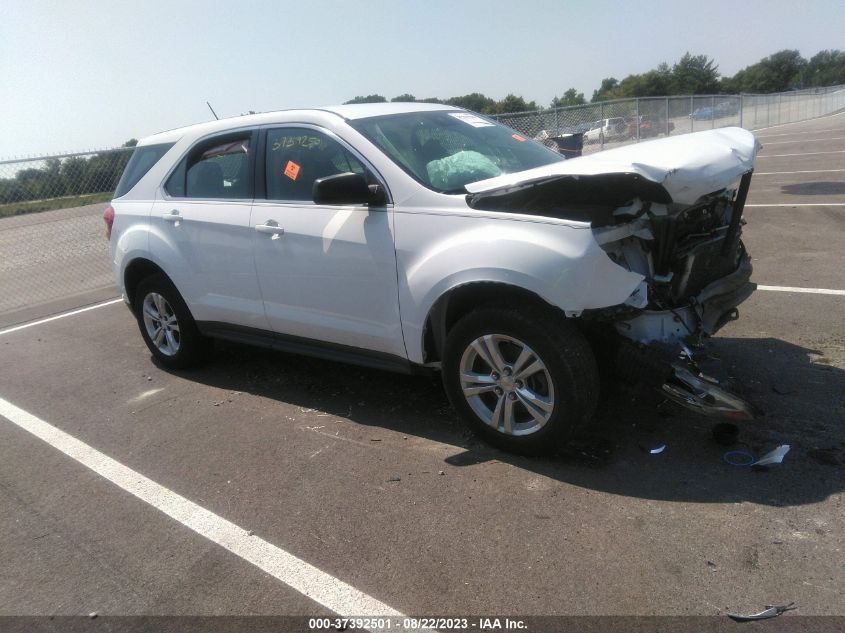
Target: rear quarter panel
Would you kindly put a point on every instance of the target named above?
(130, 235)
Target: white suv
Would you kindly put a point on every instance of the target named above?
(418, 237)
(606, 130)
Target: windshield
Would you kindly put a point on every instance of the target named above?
(447, 150)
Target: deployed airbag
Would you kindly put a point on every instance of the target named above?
(451, 172)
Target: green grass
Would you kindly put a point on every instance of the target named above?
(37, 206)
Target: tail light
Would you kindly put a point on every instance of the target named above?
(108, 218)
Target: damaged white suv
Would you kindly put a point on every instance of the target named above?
(418, 237)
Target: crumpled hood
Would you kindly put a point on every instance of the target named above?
(687, 166)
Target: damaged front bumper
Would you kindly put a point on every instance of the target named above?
(695, 389)
(697, 274)
(673, 340)
(705, 314)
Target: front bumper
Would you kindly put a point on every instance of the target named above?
(705, 314)
(717, 303)
(669, 353)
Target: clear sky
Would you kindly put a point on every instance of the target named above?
(80, 74)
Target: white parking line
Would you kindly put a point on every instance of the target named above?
(805, 171)
(317, 585)
(799, 204)
(765, 136)
(813, 291)
(818, 118)
(62, 315)
(806, 140)
(839, 129)
(838, 151)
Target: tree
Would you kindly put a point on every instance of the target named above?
(405, 98)
(514, 103)
(825, 68)
(607, 85)
(475, 101)
(132, 142)
(569, 98)
(775, 73)
(694, 74)
(367, 99)
(73, 172)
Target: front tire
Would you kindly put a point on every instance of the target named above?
(524, 380)
(166, 324)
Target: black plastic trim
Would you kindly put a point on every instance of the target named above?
(736, 213)
(310, 347)
(591, 198)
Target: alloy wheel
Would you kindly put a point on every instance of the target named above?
(507, 384)
(161, 324)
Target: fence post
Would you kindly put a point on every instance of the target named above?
(740, 110)
(667, 116)
(712, 111)
(638, 119)
(601, 129)
(691, 120)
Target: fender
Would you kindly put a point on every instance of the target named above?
(555, 260)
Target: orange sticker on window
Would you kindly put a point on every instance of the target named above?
(518, 137)
(291, 170)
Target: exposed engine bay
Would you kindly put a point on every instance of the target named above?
(696, 272)
(670, 211)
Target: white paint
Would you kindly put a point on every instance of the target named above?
(827, 116)
(805, 171)
(317, 585)
(765, 136)
(59, 316)
(145, 394)
(800, 204)
(839, 151)
(806, 140)
(812, 291)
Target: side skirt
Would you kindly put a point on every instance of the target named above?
(309, 347)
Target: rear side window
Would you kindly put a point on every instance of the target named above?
(141, 161)
(220, 170)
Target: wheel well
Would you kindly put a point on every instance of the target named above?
(456, 303)
(136, 272)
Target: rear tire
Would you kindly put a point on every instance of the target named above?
(524, 380)
(166, 324)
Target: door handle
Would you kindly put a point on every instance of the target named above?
(173, 216)
(271, 228)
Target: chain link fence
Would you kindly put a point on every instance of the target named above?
(52, 243)
(615, 123)
(51, 232)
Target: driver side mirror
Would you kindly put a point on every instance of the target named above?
(347, 188)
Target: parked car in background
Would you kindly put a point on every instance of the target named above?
(703, 114)
(421, 238)
(650, 126)
(606, 130)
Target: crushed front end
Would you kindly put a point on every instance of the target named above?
(669, 210)
(696, 273)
